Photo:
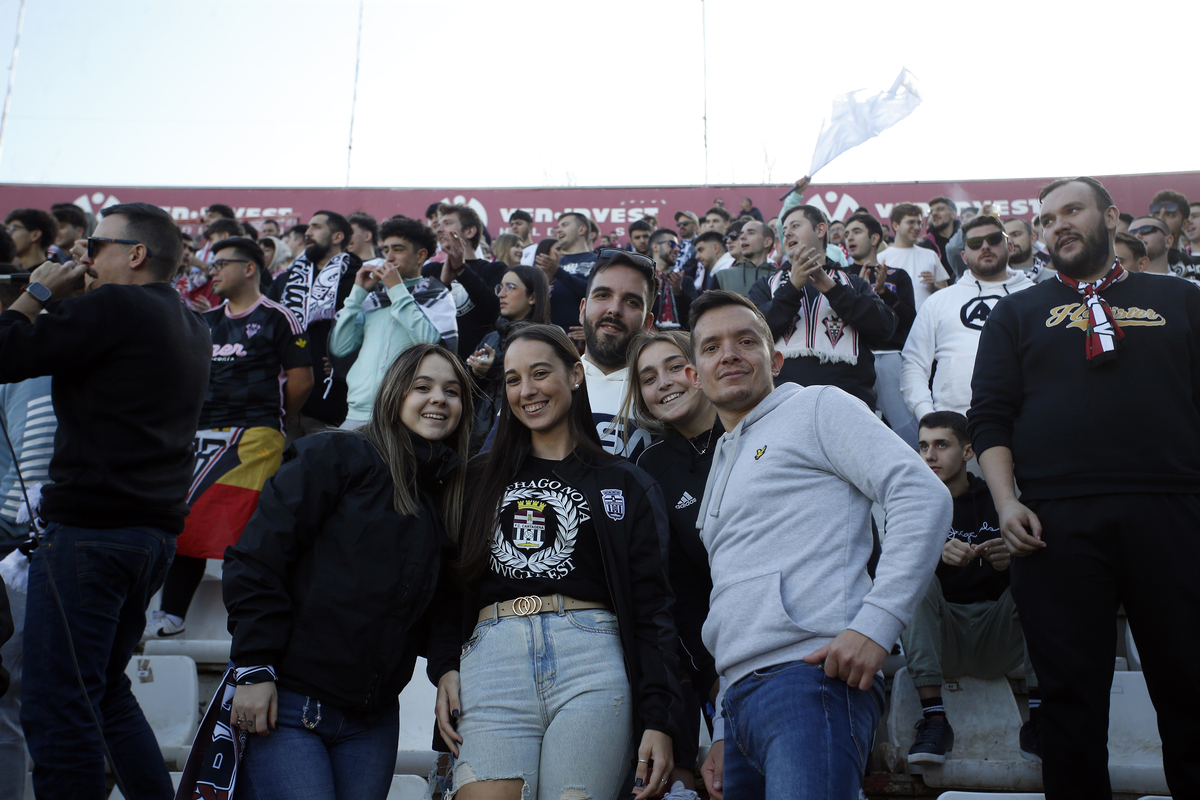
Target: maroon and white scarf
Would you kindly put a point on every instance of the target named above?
(1103, 332)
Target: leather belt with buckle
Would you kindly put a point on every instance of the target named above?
(533, 604)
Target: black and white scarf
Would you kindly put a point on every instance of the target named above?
(435, 301)
(310, 295)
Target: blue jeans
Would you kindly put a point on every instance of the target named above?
(791, 731)
(337, 758)
(105, 579)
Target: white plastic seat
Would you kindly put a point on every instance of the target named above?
(987, 726)
(1134, 747)
(415, 754)
(167, 689)
(407, 787)
(206, 638)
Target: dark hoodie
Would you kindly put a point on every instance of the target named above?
(975, 522)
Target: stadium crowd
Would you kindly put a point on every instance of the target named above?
(611, 491)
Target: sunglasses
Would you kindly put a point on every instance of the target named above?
(607, 256)
(96, 243)
(1170, 208)
(1144, 229)
(994, 239)
(506, 288)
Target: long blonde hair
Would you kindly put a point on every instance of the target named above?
(394, 441)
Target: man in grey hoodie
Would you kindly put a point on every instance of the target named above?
(798, 628)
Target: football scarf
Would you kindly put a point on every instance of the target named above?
(1103, 332)
(816, 330)
(434, 300)
(310, 295)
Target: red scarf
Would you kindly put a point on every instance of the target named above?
(1103, 332)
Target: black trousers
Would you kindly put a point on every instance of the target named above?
(1142, 550)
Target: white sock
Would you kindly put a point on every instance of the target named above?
(176, 621)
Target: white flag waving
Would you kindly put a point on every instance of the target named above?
(858, 116)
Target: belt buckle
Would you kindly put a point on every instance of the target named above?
(527, 606)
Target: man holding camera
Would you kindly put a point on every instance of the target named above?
(130, 366)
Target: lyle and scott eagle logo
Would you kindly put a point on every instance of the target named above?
(759, 452)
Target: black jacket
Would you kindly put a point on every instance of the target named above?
(681, 471)
(130, 367)
(478, 305)
(856, 303)
(898, 295)
(634, 552)
(328, 582)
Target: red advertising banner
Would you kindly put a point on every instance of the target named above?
(612, 208)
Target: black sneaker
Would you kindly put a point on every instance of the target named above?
(935, 738)
(1031, 741)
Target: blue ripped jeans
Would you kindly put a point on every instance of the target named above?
(791, 731)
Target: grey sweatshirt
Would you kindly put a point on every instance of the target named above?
(786, 519)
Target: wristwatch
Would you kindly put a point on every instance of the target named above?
(39, 292)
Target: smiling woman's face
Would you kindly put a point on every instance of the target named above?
(666, 390)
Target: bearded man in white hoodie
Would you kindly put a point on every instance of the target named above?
(796, 625)
(946, 330)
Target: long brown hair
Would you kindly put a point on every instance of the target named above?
(512, 445)
(634, 411)
(394, 441)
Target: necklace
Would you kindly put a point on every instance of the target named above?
(708, 442)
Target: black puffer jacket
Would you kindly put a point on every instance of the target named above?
(634, 550)
(328, 583)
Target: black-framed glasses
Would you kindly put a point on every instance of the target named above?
(222, 263)
(994, 239)
(609, 255)
(1170, 208)
(505, 288)
(1142, 230)
(96, 243)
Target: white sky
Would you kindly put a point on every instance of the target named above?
(478, 93)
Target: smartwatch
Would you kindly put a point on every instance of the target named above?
(39, 292)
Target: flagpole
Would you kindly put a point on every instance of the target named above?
(354, 94)
(12, 75)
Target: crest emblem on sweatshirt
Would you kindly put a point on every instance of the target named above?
(540, 542)
(614, 503)
(759, 452)
(834, 328)
(252, 329)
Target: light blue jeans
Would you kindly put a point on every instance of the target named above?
(546, 699)
(791, 731)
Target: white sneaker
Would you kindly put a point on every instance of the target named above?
(161, 626)
(679, 792)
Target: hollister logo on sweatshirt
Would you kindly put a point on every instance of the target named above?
(759, 452)
(1077, 314)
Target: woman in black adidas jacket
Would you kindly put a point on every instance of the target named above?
(327, 585)
(569, 664)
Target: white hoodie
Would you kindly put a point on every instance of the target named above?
(946, 331)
